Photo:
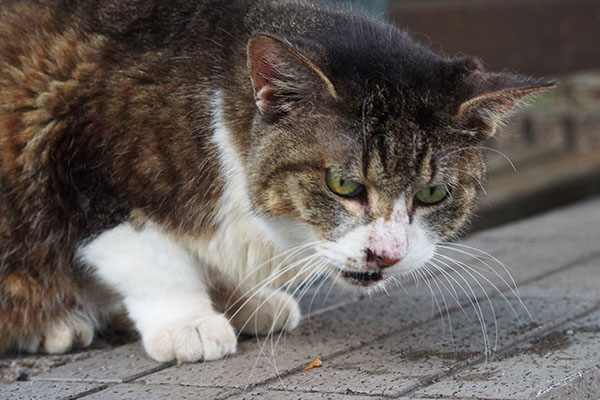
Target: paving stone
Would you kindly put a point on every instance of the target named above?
(409, 359)
(24, 366)
(536, 367)
(558, 237)
(46, 390)
(324, 296)
(288, 395)
(117, 365)
(130, 391)
(581, 281)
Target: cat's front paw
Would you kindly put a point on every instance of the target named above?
(208, 338)
(268, 311)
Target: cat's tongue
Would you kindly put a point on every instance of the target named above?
(363, 278)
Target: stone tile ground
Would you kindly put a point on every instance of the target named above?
(463, 332)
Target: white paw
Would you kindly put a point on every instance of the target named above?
(208, 338)
(269, 311)
(66, 335)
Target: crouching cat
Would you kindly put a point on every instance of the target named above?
(182, 162)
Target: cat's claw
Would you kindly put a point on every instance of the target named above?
(208, 338)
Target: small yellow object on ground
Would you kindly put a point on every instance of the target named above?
(315, 364)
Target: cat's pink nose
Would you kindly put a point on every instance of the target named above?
(386, 262)
(382, 261)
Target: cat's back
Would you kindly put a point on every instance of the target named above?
(56, 55)
(46, 61)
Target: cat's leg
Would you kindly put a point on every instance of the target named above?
(97, 307)
(258, 312)
(164, 290)
(36, 315)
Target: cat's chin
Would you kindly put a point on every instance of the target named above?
(364, 279)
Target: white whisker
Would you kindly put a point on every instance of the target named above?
(288, 254)
(266, 283)
(476, 306)
(433, 278)
(448, 246)
(466, 266)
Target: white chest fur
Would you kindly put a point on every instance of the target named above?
(244, 247)
(164, 279)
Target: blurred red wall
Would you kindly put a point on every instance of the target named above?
(538, 37)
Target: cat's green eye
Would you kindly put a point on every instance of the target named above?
(432, 194)
(343, 187)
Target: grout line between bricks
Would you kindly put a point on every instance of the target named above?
(125, 380)
(87, 392)
(148, 372)
(348, 392)
(115, 381)
(581, 260)
(101, 388)
(569, 379)
(105, 385)
(379, 396)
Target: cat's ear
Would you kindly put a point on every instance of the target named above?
(491, 98)
(282, 76)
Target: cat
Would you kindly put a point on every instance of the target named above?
(185, 162)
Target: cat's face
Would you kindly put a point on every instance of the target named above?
(376, 191)
(360, 171)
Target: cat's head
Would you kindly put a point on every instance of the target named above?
(372, 152)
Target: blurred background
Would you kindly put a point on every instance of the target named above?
(553, 143)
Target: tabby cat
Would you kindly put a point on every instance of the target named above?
(182, 161)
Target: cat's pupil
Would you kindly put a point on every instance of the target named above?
(342, 181)
(432, 190)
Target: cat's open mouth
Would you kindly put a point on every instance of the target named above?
(363, 278)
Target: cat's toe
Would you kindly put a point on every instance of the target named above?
(208, 338)
(273, 311)
(287, 313)
(218, 338)
(66, 335)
